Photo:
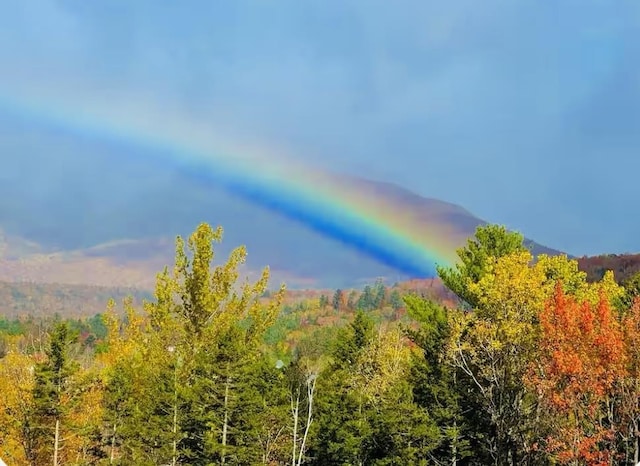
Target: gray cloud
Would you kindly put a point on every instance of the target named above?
(524, 112)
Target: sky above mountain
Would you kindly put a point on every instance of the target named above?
(527, 113)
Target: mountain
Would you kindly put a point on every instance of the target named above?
(47, 299)
(123, 241)
(110, 218)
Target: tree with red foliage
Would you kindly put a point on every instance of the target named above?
(629, 388)
(582, 357)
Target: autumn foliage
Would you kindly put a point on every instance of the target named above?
(523, 361)
(581, 358)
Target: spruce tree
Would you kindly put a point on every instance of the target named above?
(51, 383)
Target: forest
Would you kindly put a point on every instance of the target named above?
(520, 361)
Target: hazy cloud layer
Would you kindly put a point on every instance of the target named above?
(527, 113)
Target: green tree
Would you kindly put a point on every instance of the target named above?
(380, 292)
(352, 300)
(337, 299)
(434, 380)
(340, 429)
(365, 408)
(490, 241)
(51, 385)
(631, 292)
(367, 299)
(323, 301)
(395, 300)
(185, 378)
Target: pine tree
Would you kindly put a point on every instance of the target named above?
(435, 385)
(338, 297)
(365, 410)
(216, 328)
(323, 302)
(395, 300)
(352, 300)
(50, 394)
(489, 241)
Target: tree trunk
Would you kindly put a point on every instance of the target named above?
(294, 411)
(454, 444)
(636, 444)
(174, 458)
(225, 425)
(55, 443)
(113, 444)
(311, 386)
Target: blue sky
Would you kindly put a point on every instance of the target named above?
(525, 112)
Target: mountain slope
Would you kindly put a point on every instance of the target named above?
(624, 266)
(110, 218)
(136, 238)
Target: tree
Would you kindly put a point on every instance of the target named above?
(365, 410)
(629, 386)
(492, 347)
(631, 291)
(129, 376)
(17, 444)
(352, 300)
(490, 241)
(51, 393)
(340, 429)
(367, 299)
(581, 358)
(337, 301)
(395, 300)
(323, 301)
(302, 378)
(380, 295)
(401, 431)
(434, 381)
(180, 388)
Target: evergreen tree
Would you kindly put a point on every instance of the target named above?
(367, 299)
(631, 292)
(52, 378)
(395, 300)
(435, 385)
(217, 331)
(380, 295)
(337, 300)
(352, 300)
(365, 408)
(323, 301)
(490, 241)
(339, 434)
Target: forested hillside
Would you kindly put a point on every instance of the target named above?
(47, 299)
(624, 266)
(520, 362)
(60, 241)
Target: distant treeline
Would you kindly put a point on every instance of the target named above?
(623, 266)
(532, 364)
(47, 299)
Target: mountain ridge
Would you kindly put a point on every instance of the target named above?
(296, 255)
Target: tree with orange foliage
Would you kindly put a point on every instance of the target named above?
(629, 388)
(581, 358)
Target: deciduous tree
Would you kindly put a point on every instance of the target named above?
(581, 358)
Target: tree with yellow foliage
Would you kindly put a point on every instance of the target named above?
(17, 444)
(179, 377)
(493, 344)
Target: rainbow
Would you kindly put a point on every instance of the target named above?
(325, 202)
